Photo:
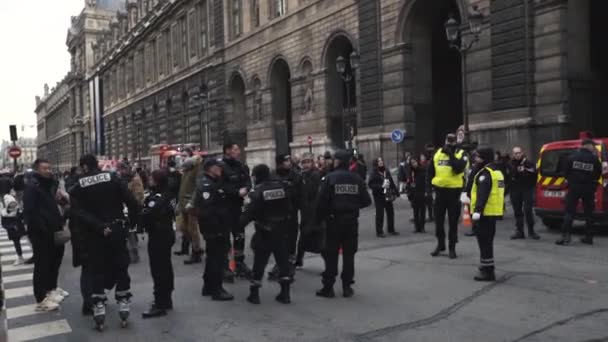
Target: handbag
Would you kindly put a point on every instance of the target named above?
(62, 236)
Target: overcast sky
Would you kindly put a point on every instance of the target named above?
(32, 41)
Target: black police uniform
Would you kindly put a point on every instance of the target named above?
(214, 219)
(236, 176)
(523, 183)
(583, 171)
(101, 197)
(292, 181)
(341, 196)
(271, 208)
(157, 221)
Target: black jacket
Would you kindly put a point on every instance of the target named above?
(270, 206)
(292, 180)
(583, 168)
(523, 175)
(211, 202)
(80, 252)
(236, 176)
(342, 194)
(157, 214)
(40, 208)
(376, 179)
(6, 184)
(311, 182)
(416, 185)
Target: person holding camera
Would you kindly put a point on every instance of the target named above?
(384, 192)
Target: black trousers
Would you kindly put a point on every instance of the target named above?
(419, 207)
(523, 201)
(159, 253)
(292, 227)
(217, 253)
(109, 264)
(17, 244)
(447, 200)
(264, 243)
(586, 194)
(485, 229)
(86, 284)
(47, 260)
(430, 204)
(341, 233)
(238, 232)
(381, 206)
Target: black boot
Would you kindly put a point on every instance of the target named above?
(195, 258)
(155, 310)
(254, 294)
(519, 234)
(452, 252)
(242, 270)
(440, 248)
(347, 291)
(206, 291)
(564, 241)
(485, 275)
(228, 275)
(185, 247)
(532, 234)
(326, 292)
(284, 296)
(87, 309)
(222, 295)
(588, 239)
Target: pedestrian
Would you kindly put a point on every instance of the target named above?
(210, 201)
(487, 201)
(384, 192)
(430, 202)
(187, 222)
(523, 184)
(105, 230)
(175, 178)
(271, 207)
(582, 171)
(465, 196)
(43, 219)
(157, 221)
(71, 178)
(446, 175)
(416, 186)
(237, 185)
(361, 168)
(327, 164)
(11, 223)
(341, 196)
(403, 174)
(136, 187)
(309, 229)
(292, 180)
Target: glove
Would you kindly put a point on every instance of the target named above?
(464, 198)
(476, 216)
(386, 184)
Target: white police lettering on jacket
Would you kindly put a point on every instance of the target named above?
(94, 180)
(271, 195)
(443, 163)
(346, 189)
(577, 165)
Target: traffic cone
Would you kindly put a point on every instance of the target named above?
(466, 217)
(232, 262)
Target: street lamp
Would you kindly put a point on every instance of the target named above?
(455, 37)
(347, 78)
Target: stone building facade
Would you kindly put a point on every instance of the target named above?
(263, 73)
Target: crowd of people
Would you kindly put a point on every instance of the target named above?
(304, 205)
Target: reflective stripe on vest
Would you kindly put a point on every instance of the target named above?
(496, 201)
(444, 174)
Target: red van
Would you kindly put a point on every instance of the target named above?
(551, 186)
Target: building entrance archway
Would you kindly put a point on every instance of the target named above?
(280, 84)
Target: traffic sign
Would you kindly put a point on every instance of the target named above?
(397, 136)
(14, 152)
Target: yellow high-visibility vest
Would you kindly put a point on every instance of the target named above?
(496, 201)
(444, 174)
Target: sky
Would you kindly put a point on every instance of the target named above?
(32, 41)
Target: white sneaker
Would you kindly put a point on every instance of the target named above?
(47, 305)
(19, 261)
(55, 296)
(62, 292)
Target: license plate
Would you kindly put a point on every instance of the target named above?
(555, 194)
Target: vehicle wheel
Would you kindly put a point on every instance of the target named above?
(553, 224)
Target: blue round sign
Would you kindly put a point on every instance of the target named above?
(397, 136)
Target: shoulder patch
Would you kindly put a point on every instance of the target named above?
(95, 179)
(346, 189)
(151, 204)
(206, 195)
(271, 195)
(482, 178)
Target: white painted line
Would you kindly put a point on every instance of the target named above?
(6, 243)
(9, 250)
(16, 278)
(8, 268)
(22, 311)
(19, 292)
(14, 257)
(37, 331)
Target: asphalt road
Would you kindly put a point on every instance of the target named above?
(544, 293)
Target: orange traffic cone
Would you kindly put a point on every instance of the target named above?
(466, 217)
(232, 262)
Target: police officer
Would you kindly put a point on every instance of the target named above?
(488, 203)
(446, 174)
(271, 208)
(292, 180)
(237, 185)
(157, 220)
(523, 183)
(583, 171)
(214, 218)
(101, 197)
(341, 196)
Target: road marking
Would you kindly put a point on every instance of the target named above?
(16, 278)
(37, 331)
(9, 250)
(10, 268)
(6, 243)
(22, 311)
(14, 257)
(19, 292)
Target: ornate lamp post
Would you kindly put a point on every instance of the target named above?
(456, 39)
(348, 127)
